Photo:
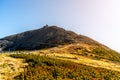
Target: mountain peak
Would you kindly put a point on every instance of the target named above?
(47, 36)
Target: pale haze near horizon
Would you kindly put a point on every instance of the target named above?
(98, 19)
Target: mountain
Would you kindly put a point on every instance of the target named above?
(59, 54)
(48, 36)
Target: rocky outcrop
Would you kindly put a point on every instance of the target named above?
(5, 44)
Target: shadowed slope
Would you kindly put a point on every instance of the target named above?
(46, 37)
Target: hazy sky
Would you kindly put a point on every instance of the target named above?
(98, 19)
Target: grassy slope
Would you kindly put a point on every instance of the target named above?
(87, 61)
(90, 51)
(71, 62)
(46, 68)
(84, 54)
(10, 67)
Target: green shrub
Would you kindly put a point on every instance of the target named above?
(101, 53)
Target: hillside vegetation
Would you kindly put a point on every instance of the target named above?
(44, 68)
(86, 50)
(71, 62)
(64, 62)
(10, 67)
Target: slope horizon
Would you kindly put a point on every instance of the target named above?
(96, 19)
(61, 28)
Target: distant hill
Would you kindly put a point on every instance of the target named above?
(48, 36)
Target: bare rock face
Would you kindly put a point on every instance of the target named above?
(5, 44)
(48, 36)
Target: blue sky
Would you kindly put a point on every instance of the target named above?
(98, 19)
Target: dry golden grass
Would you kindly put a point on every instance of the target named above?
(63, 53)
(86, 61)
(10, 67)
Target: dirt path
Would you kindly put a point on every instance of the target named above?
(10, 67)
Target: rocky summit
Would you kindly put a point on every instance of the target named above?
(45, 37)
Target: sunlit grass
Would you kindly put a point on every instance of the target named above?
(43, 63)
(44, 67)
(9, 67)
